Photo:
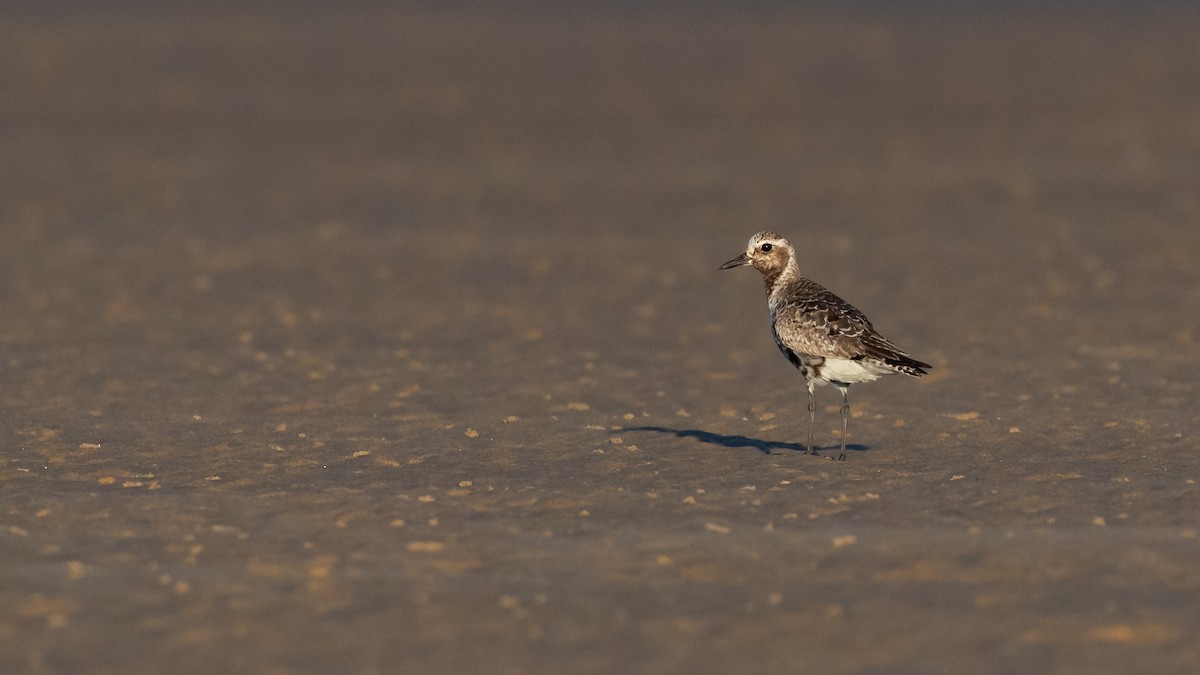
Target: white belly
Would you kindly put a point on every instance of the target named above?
(850, 372)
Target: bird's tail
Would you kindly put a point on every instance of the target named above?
(908, 365)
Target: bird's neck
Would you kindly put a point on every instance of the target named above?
(781, 275)
(769, 279)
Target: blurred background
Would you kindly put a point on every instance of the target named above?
(327, 330)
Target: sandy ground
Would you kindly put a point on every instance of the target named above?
(381, 340)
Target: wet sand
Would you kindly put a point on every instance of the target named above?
(387, 340)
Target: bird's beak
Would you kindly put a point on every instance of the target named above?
(742, 259)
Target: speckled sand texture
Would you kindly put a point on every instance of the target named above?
(368, 340)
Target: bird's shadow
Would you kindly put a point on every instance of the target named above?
(738, 441)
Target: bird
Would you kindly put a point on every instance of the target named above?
(826, 338)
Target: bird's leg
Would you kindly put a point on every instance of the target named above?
(812, 417)
(845, 418)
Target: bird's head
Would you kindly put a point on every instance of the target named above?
(768, 252)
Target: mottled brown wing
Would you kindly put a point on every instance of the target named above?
(826, 327)
(818, 323)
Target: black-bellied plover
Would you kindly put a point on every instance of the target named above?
(825, 337)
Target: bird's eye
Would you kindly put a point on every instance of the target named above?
(765, 248)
